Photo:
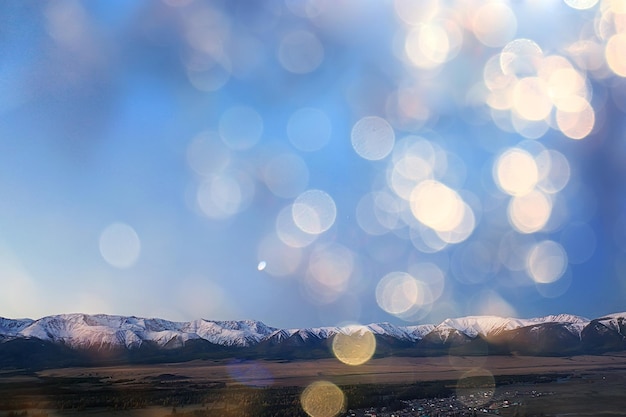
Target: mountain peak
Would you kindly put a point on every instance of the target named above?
(102, 331)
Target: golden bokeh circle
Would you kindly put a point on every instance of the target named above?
(356, 347)
(323, 399)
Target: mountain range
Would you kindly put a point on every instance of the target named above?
(82, 339)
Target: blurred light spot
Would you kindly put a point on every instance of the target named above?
(494, 77)
(261, 266)
(476, 387)
(547, 262)
(21, 295)
(437, 206)
(530, 98)
(314, 212)
(516, 172)
(323, 399)
(557, 288)
(587, 54)
(406, 109)
(386, 210)
(494, 24)
(463, 229)
(289, 233)
(581, 4)
(206, 30)
(354, 347)
(617, 6)
(431, 44)
(240, 127)
(372, 138)
(560, 213)
(615, 56)
(367, 217)
(306, 8)
(247, 54)
(220, 196)
(415, 12)
(329, 271)
(300, 52)
(278, 258)
(197, 295)
(577, 124)
(530, 213)
(250, 373)
(564, 84)
(400, 294)
(430, 275)
(520, 57)
(286, 175)
(555, 172)
(579, 241)
(309, 129)
(407, 173)
(427, 240)
(68, 24)
(207, 73)
(206, 154)
(490, 303)
(119, 245)
(530, 129)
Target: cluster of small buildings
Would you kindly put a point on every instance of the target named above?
(478, 403)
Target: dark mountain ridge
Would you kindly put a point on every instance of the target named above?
(81, 339)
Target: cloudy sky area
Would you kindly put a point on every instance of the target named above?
(312, 162)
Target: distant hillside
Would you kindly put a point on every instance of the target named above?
(82, 339)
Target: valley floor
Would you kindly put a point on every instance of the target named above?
(578, 385)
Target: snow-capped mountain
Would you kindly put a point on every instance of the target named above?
(555, 334)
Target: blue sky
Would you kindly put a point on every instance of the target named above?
(310, 162)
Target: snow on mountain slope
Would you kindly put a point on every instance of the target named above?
(615, 321)
(400, 333)
(229, 333)
(85, 331)
(106, 331)
(10, 328)
(574, 324)
(472, 326)
(418, 332)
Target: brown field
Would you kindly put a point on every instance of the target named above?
(393, 370)
(593, 386)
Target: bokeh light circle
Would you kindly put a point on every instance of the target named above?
(437, 206)
(300, 52)
(398, 293)
(581, 4)
(547, 262)
(354, 347)
(120, 245)
(314, 211)
(516, 172)
(530, 213)
(372, 138)
(323, 399)
(494, 24)
(286, 175)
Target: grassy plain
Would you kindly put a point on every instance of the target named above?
(583, 386)
(391, 370)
